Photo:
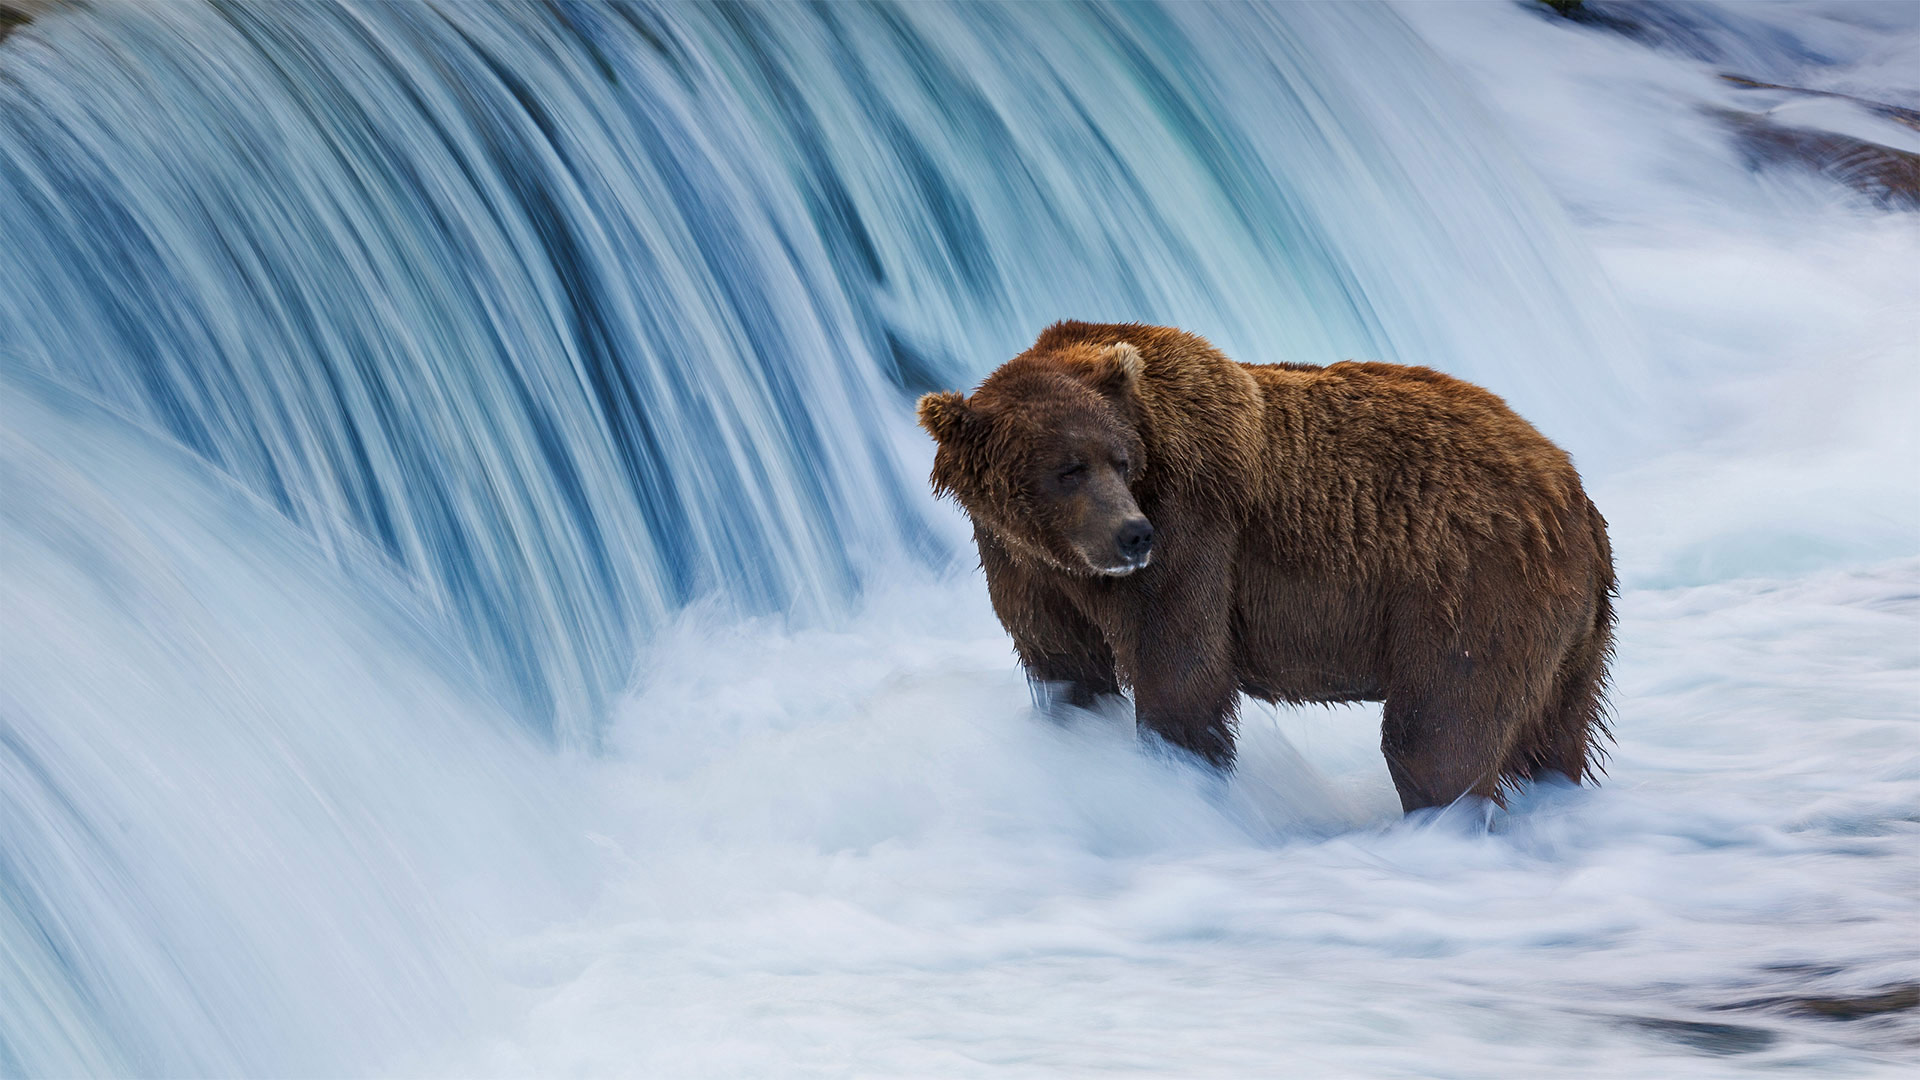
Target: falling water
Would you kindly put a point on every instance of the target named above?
(579, 314)
(385, 384)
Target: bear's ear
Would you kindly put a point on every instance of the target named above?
(946, 416)
(1120, 369)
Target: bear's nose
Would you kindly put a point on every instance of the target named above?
(1135, 539)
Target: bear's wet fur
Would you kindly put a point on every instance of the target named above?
(1154, 516)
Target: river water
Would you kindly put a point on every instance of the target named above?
(474, 606)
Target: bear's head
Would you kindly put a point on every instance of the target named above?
(1046, 456)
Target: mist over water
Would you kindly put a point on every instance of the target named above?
(474, 606)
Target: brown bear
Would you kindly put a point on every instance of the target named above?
(1153, 515)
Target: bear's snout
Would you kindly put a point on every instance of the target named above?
(1135, 541)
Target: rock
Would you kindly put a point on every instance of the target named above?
(1889, 176)
(15, 14)
(1899, 998)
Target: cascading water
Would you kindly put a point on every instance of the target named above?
(579, 313)
(236, 802)
(381, 380)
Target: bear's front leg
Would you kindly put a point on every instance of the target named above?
(1066, 658)
(1185, 686)
(1079, 674)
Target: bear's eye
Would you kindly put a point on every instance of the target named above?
(1121, 464)
(1069, 477)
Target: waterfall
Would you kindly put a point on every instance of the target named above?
(380, 377)
(580, 313)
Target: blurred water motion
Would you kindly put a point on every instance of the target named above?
(577, 313)
(383, 384)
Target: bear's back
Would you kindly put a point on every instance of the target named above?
(1410, 466)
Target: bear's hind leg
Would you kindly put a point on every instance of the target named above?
(1573, 725)
(1443, 744)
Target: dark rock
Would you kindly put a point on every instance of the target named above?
(15, 14)
(1889, 176)
(1893, 999)
(1717, 1039)
(1899, 999)
(11, 19)
(1721, 34)
(1655, 25)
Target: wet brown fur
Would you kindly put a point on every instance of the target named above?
(1355, 532)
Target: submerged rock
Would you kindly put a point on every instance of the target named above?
(1671, 27)
(1708, 1038)
(1888, 175)
(11, 18)
(15, 14)
(1893, 999)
